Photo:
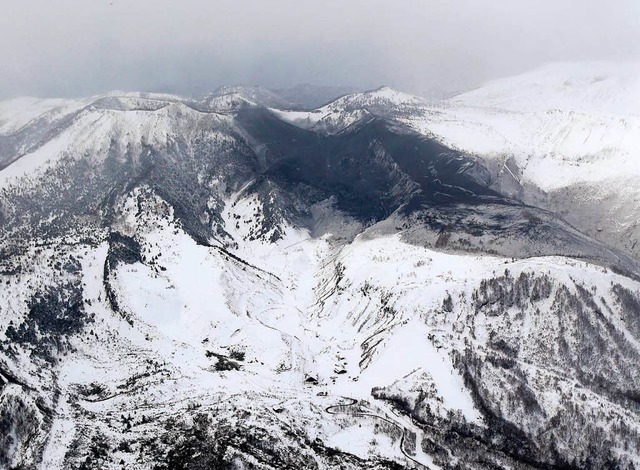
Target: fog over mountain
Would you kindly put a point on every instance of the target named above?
(73, 48)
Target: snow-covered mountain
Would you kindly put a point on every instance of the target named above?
(562, 124)
(569, 130)
(356, 107)
(226, 282)
(564, 137)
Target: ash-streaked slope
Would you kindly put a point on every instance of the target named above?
(564, 137)
(569, 133)
(553, 118)
(194, 153)
(218, 284)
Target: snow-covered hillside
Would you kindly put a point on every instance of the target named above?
(563, 124)
(570, 130)
(565, 137)
(350, 109)
(219, 283)
(589, 88)
(287, 330)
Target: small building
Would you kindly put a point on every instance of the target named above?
(310, 380)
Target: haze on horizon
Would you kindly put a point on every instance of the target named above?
(73, 48)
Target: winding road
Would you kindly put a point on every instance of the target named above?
(352, 402)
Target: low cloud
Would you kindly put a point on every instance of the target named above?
(79, 47)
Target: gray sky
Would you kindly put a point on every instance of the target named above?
(81, 47)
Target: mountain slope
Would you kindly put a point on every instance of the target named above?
(563, 137)
(568, 133)
(217, 284)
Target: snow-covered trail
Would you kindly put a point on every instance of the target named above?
(361, 408)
